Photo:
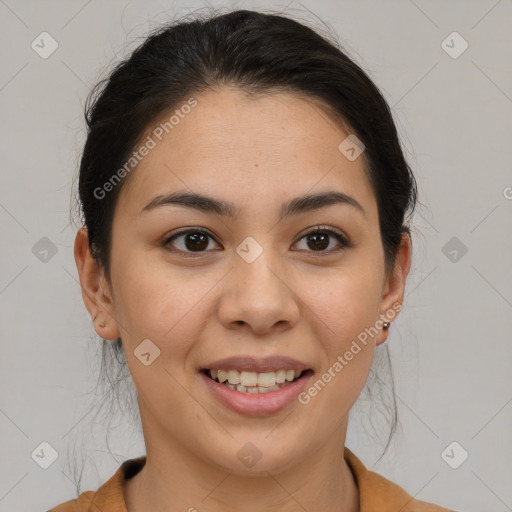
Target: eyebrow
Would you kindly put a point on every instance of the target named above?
(306, 203)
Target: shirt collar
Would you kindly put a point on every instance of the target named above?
(375, 491)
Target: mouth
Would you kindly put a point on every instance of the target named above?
(256, 382)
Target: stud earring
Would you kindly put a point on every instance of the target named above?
(386, 325)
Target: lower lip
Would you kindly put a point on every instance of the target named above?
(256, 404)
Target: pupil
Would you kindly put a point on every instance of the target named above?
(320, 240)
(198, 241)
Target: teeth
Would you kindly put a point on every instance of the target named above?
(254, 389)
(233, 377)
(267, 379)
(252, 382)
(248, 378)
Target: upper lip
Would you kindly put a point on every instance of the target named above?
(258, 365)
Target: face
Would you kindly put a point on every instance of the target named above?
(248, 272)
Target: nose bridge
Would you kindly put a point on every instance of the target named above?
(258, 295)
(258, 279)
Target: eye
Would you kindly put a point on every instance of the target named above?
(189, 241)
(321, 238)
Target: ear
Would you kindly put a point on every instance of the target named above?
(394, 286)
(96, 291)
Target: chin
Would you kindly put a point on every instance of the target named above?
(256, 455)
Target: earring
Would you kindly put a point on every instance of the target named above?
(386, 325)
(101, 324)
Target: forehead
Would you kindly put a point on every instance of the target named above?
(256, 146)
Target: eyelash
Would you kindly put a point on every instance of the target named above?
(345, 244)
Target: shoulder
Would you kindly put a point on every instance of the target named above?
(378, 494)
(80, 504)
(109, 496)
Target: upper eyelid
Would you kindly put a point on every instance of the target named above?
(185, 231)
(306, 231)
(322, 227)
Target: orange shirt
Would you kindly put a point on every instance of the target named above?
(376, 493)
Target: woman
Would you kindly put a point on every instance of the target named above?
(245, 244)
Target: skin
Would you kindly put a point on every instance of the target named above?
(257, 153)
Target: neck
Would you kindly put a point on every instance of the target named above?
(181, 482)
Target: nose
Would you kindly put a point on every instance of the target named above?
(257, 296)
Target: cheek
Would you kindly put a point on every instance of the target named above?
(161, 304)
(344, 307)
(345, 333)
(347, 298)
(165, 310)
(353, 306)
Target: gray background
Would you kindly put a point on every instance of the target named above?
(450, 347)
